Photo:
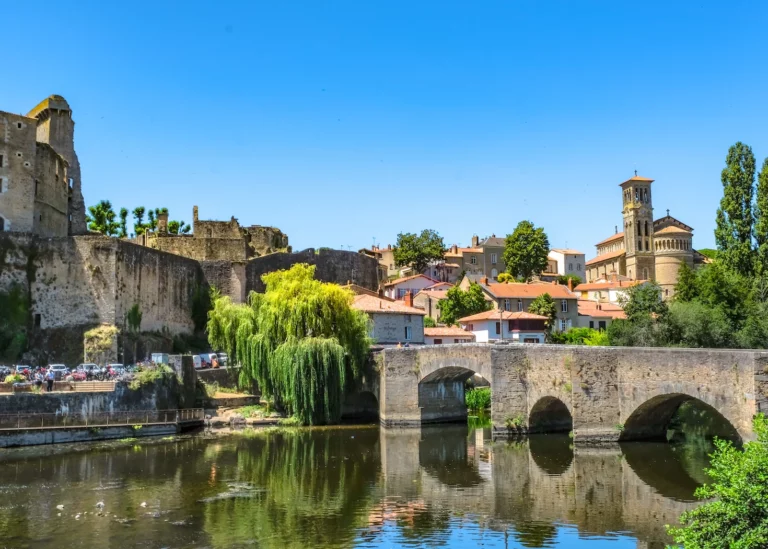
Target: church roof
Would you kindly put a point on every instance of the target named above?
(669, 220)
(611, 238)
(606, 257)
(637, 179)
(672, 229)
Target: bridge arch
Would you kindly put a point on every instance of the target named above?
(651, 419)
(550, 415)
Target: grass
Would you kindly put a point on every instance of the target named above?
(289, 421)
(478, 399)
(255, 410)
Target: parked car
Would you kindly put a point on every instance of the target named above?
(160, 358)
(5, 371)
(199, 364)
(60, 371)
(223, 359)
(91, 370)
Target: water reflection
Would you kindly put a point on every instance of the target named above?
(444, 486)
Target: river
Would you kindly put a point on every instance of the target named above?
(356, 486)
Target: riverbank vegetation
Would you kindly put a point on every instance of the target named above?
(301, 341)
(737, 515)
(478, 399)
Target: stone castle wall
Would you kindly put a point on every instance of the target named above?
(17, 178)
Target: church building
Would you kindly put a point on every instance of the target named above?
(647, 248)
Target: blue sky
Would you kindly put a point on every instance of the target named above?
(343, 121)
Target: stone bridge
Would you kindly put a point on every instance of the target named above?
(602, 394)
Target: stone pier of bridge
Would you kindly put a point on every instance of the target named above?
(602, 394)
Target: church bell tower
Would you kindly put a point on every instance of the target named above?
(638, 227)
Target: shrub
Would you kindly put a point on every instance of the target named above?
(151, 375)
(478, 399)
(15, 378)
(737, 514)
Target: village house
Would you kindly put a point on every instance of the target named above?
(392, 321)
(442, 335)
(597, 315)
(517, 297)
(567, 262)
(397, 289)
(496, 325)
(607, 290)
(428, 300)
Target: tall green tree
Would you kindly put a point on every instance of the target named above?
(101, 218)
(761, 221)
(300, 340)
(733, 232)
(123, 230)
(178, 227)
(418, 250)
(544, 305)
(686, 288)
(138, 220)
(458, 303)
(526, 250)
(736, 512)
(643, 301)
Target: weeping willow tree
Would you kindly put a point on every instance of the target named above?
(300, 341)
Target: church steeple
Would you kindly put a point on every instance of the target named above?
(638, 227)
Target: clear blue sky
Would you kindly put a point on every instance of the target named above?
(343, 121)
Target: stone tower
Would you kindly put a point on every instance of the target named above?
(56, 128)
(638, 228)
(673, 242)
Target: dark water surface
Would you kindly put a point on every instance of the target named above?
(348, 487)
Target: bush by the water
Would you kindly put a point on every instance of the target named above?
(150, 375)
(15, 378)
(478, 399)
(737, 514)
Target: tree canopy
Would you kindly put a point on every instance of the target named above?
(458, 303)
(733, 232)
(736, 515)
(526, 250)
(101, 219)
(418, 250)
(300, 341)
(544, 305)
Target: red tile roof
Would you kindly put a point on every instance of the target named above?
(638, 179)
(448, 331)
(672, 230)
(600, 310)
(606, 257)
(534, 289)
(607, 285)
(493, 314)
(372, 304)
(406, 278)
(611, 238)
(434, 294)
(440, 285)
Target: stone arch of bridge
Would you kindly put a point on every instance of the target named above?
(448, 365)
(549, 414)
(650, 420)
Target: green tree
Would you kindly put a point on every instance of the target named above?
(504, 277)
(458, 303)
(733, 232)
(300, 340)
(101, 218)
(139, 227)
(14, 304)
(525, 251)
(718, 286)
(429, 322)
(708, 252)
(686, 288)
(123, 230)
(761, 220)
(178, 227)
(418, 251)
(737, 514)
(693, 324)
(643, 301)
(544, 305)
(575, 280)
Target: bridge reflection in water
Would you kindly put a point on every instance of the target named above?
(447, 486)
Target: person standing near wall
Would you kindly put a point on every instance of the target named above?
(50, 376)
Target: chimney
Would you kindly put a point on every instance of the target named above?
(408, 299)
(389, 246)
(162, 223)
(570, 284)
(194, 215)
(475, 241)
(454, 249)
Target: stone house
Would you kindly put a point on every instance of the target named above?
(495, 325)
(598, 316)
(442, 335)
(397, 289)
(428, 299)
(607, 290)
(517, 297)
(392, 321)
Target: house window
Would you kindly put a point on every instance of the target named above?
(507, 305)
(408, 318)
(438, 342)
(470, 327)
(601, 325)
(498, 328)
(493, 259)
(391, 267)
(473, 260)
(591, 324)
(564, 306)
(457, 340)
(578, 266)
(494, 273)
(408, 333)
(570, 266)
(18, 125)
(563, 325)
(519, 304)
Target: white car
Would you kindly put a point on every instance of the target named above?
(60, 371)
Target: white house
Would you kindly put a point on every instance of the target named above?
(494, 325)
(567, 262)
(392, 321)
(598, 315)
(408, 285)
(442, 335)
(607, 290)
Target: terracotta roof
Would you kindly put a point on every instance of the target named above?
(638, 179)
(439, 285)
(600, 310)
(435, 294)
(566, 251)
(605, 257)
(404, 279)
(493, 314)
(448, 331)
(372, 304)
(672, 230)
(534, 289)
(670, 219)
(607, 285)
(611, 238)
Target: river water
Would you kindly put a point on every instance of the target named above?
(361, 486)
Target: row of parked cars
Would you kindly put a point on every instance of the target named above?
(82, 372)
(210, 360)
